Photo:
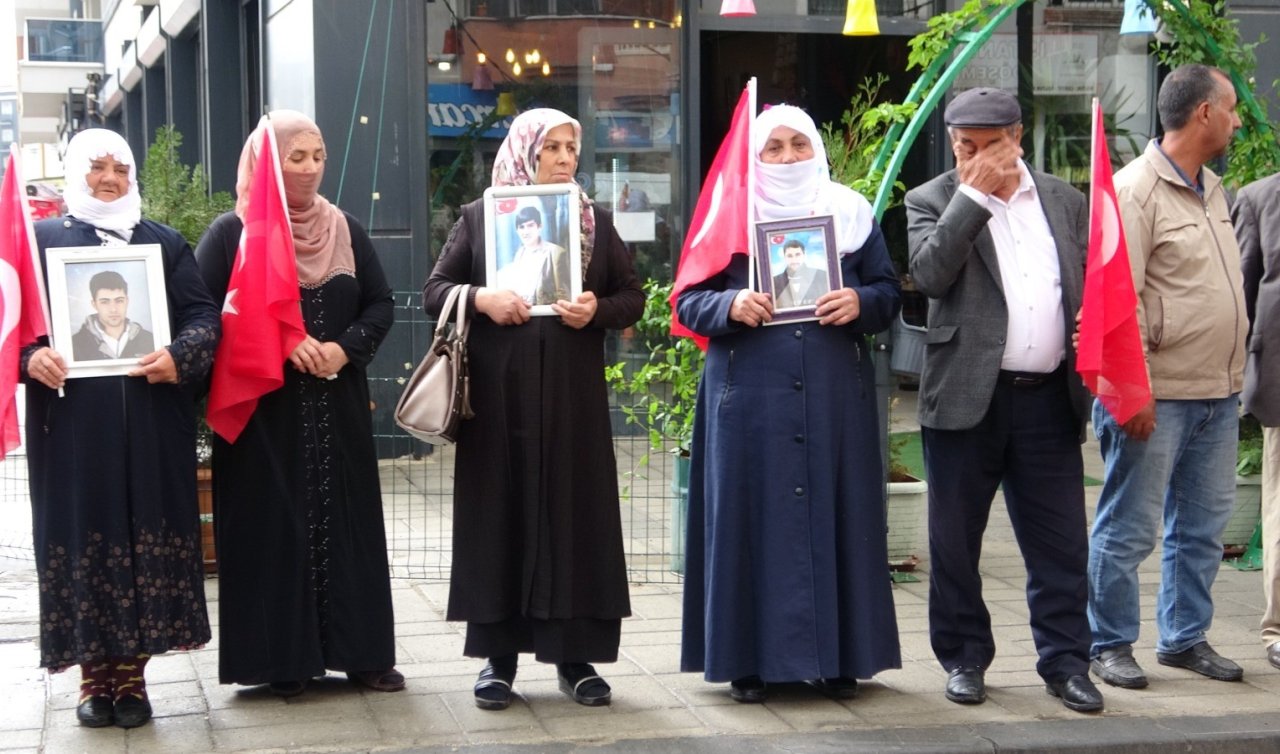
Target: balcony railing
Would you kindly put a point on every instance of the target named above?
(64, 40)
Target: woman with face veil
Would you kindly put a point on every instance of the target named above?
(302, 553)
(112, 463)
(537, 536)
(788, 576)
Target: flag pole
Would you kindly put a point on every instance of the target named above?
(752, 272)
(1093, 152)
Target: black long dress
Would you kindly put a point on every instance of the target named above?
(302, 553)
(113, 484)
(538, 563)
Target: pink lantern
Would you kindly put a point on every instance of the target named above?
(737, 8)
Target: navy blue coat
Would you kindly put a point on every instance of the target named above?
(788, 573)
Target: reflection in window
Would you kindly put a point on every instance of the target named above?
(64, 40)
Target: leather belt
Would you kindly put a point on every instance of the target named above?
(1030, 379)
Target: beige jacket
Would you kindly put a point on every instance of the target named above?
(1186, 270)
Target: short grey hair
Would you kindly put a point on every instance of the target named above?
(1185, 89)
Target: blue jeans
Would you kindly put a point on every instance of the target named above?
(1184, 474)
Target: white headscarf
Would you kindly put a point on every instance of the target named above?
(805, 188)
(120, 215)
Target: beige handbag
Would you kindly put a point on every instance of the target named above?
(438, 396)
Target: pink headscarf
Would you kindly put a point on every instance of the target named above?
(321, 238)
(516, 163)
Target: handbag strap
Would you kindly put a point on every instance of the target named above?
(456, 300)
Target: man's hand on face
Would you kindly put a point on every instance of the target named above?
(992, 169)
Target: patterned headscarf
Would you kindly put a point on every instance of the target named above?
(120, 215)
(517, 163)
(805, 188)
(321, 237)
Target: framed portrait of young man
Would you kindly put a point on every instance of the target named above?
(108, 305)
(797, 262)
(532, 243)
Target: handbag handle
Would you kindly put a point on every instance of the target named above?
(456, 300)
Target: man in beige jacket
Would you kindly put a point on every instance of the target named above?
(1172, 467)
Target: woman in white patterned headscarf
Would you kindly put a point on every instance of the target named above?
(787, 577)
(112, 461)
(537, 537)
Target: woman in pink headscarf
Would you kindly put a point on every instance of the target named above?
(302, 553)
(537, 536)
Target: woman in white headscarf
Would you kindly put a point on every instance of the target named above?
(112, 463)
(302, 550)
(537, 535)
(788, 575)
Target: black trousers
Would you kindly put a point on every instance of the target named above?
(1029, 442)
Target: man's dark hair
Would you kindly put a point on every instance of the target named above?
(792, 244)
(527, 214)
(1184, 89)
(107, 280)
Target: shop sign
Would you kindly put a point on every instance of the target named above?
(454, 109)
(1063, 64)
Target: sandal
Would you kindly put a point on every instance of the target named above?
(493, 686)
(378, 680)
(580, 682)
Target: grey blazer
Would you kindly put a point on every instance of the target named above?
(1256, 215)
(953, 262)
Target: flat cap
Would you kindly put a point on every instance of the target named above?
(983, 107)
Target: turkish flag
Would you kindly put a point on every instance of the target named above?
(262, 314)
(1109, 357)
(23, 309)
(721, 225)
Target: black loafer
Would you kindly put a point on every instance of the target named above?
(132, 711)
(966, 686)
(836, 688)
(1117, 667)
(1273, 654)
(1203, 660)
(493, 686)
(580, 681)
(749, 690)
(95, 712)
(286, 689)
(1077, 693)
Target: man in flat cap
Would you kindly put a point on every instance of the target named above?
(1171, 468)
(999, 249)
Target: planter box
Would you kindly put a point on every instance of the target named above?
(1246, 514)
(908, 525)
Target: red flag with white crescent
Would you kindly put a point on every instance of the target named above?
(1109, 357)
(721, 224)
(24, 314)
(262, 316)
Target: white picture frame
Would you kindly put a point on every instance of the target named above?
(553, 270)
(72, 270)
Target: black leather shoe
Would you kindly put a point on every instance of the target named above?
(1273, 654)
(95, 712)
(493, 687)
(966, 686)
(1077, 693)
(1203, 660)
(132, 711)
(749, 690)
(836, 688)
(583, 685)
(1117, 667)
(286, 689)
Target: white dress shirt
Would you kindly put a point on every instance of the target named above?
(1035, 340)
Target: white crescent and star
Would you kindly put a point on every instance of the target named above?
(9, 297)
(717, 194)
(1109, 224)
(228, 306)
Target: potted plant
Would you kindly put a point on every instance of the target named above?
(657, 390)
(906, 503)
(1247, 512)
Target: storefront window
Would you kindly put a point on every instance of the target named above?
(618, 73)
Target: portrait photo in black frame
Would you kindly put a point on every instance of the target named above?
(797, 262)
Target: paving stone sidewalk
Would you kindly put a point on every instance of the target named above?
(657, 708)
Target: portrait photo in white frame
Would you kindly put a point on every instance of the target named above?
(532, 243)
(108, 305)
